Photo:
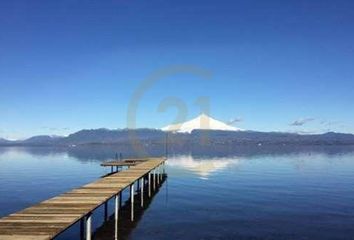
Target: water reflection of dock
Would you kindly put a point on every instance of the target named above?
(48, 219)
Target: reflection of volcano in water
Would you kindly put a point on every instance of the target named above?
(203, 168)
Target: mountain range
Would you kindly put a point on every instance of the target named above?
(205, 137)
(202, 130)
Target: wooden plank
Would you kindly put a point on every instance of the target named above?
(22, 237)
(106, 186)
(79, 197)
(28, 231)
(92, 190)
(117, 164)
(50, 227)
(39, 217)
(81, 211)
(44, 215)
(32, 220)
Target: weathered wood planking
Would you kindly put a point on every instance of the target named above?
(124, 163)
(49, 218)
(118, 164)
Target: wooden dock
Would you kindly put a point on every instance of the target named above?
(49, 218)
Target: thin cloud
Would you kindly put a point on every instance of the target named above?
(307, 132)
(235, 120)
(329, 123)
(301, 122)
(56, 129)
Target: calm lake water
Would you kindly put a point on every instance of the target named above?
(246, 194)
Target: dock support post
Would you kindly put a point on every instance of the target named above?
(138, 186)
(132, 202)
(116, 209)
(161, 172)
(158, 175)
(149, 183)
(88, 226)
(82, 229)
(120, 199)
(154, 172)
(142, 192)
(106, 211)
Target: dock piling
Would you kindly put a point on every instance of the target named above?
(142, 192)
(154, 185)
(116, 212)
(106, 211)
(120, 199)
(88, 226)
(132, 202)
(149, 182)
(82, 229)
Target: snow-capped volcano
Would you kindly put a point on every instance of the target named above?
(202, 122)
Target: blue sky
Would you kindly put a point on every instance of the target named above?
(277, 65)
